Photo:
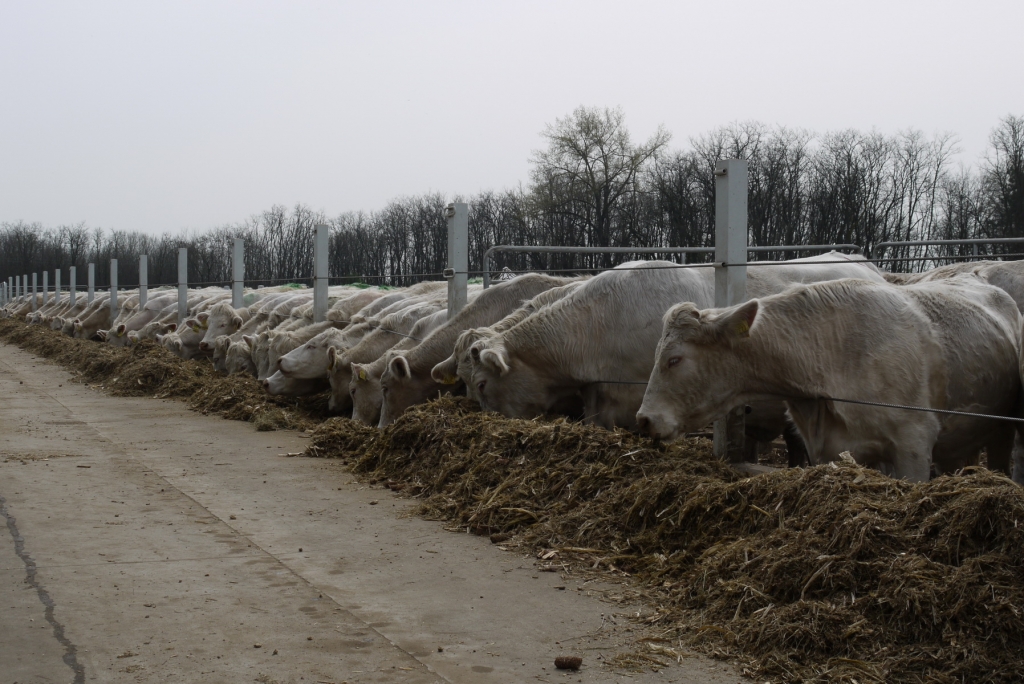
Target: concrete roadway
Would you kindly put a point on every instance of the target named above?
(147, 543)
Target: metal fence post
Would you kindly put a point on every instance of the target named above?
(35, 293)
(46, 286)
(72, 284)
(143, 281)
(113, 290)
(92, 283)
(17, 288)
(320, 273)
(237, 273)
(730, 280)
(457, 272)
(56, 286)
(182, 285)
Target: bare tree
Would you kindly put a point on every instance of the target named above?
(589, 169)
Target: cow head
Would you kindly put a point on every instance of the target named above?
(693, 381)
(401, 387)
(508, 384)
(365, 393)
(339, 375)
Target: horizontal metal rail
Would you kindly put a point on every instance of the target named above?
(554, 249)
(937, 243)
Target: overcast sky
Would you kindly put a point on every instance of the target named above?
(161, 116)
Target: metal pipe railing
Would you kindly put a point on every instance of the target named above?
(930, 243)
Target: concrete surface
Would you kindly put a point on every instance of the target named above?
(147, 543)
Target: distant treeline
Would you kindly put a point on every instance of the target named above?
(593, 186)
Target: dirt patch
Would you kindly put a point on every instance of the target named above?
(833, 573)
(150, 370)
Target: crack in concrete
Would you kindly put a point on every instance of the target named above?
(70, 651)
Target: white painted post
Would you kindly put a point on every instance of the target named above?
(237, 272)
(320, 246)
(143, 281)
(92, 283)
(56, 285)
(457, 272)
(730, 280)
(73, 283)
(182, 285)
(46, 286)
(113, 289)
(17, 288)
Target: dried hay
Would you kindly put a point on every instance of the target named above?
(150, 370)
(834, 573)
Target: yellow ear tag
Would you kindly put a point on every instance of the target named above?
(449, 380)
(742, 328)
(362, 374)
(121, 334)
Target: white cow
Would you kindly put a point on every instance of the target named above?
(950, 344)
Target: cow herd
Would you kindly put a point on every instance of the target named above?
(640, 347)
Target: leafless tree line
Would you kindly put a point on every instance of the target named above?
(593, 186)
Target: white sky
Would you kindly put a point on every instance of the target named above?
(161, 116)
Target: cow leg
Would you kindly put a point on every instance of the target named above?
(795, 447)
(999, 448)
(749, 449)
(1018, 457)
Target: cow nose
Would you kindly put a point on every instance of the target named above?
(266, 385)
(644, 424)
(204, 346)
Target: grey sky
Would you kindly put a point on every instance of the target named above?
(164, 116)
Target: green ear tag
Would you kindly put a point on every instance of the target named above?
(449, 380)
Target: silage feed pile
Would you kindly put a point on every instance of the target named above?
(834, 573)
(150, 370)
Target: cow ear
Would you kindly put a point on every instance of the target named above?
(172, 327)
(121, 329)
(399, 367)
(102, 334)
(236, 322)
(203, 317)
(159, 338)
(444, 372)
(359, 372)
(248, 340)
(497, 358)
(332, 358)
(736, 322)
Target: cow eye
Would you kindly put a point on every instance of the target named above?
(674, 361)
(480, 386)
